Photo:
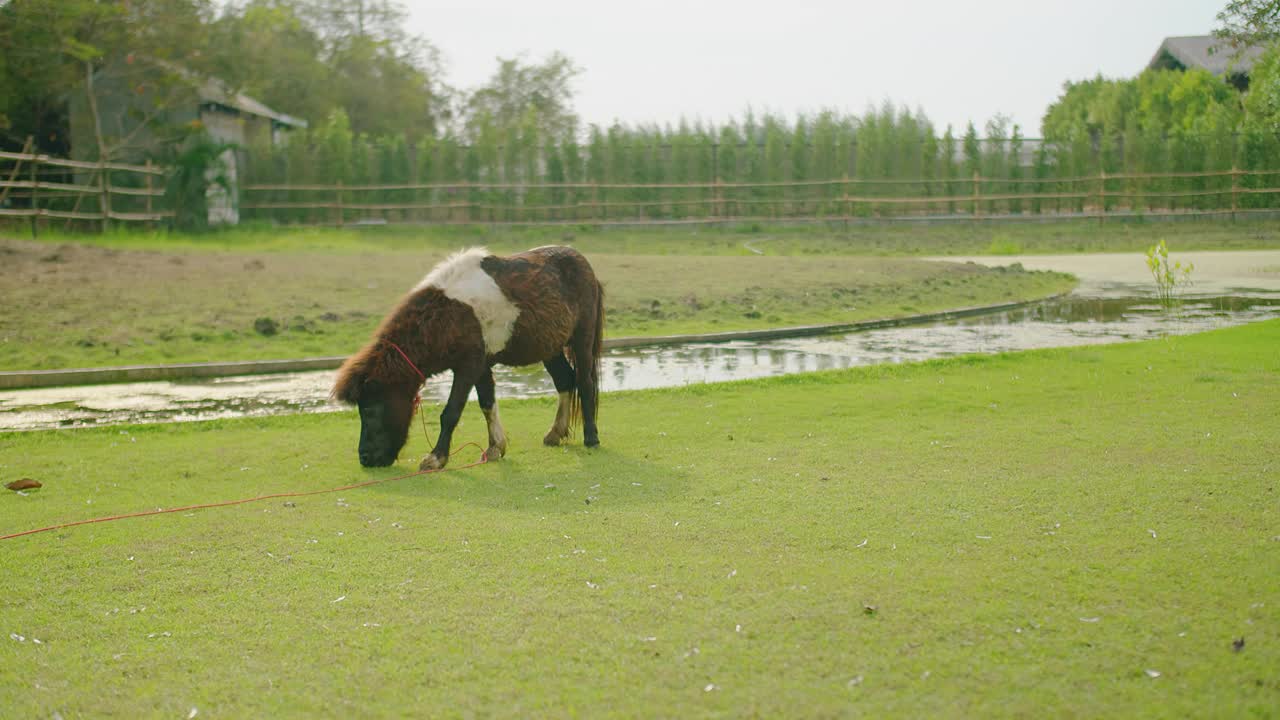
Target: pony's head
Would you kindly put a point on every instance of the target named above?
(386, 391)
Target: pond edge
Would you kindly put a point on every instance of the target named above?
(23, 379)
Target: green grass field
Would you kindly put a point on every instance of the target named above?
(133, 299)
(951, 238)
(1071, 533)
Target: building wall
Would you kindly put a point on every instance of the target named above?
(223, 201)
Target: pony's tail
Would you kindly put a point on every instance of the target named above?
(575, 407)
(597, 347)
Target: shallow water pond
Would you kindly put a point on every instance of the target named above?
(1074, 320)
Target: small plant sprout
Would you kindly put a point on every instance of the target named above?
(1170, 278)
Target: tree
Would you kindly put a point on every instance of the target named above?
(148, 49)
(269, 51)
(1246, 23)
(340, 21)
(35, 71)
(1162, 101)
(972, 151)
(519, 88)
(385, 80)
(384, 92)
(1262, 104)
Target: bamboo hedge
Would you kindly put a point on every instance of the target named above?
(886, 164)
(1238, 192)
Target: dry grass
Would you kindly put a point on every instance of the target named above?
(76, 305)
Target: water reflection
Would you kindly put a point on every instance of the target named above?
(1069, 321)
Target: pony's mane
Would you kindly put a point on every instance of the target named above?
(376, 360)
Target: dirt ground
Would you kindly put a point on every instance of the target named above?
(74, 305)
(1215, 273)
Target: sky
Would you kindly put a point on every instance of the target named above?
(659, 60)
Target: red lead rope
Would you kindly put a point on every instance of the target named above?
(416, 401)
(406, 359)
(226, 503)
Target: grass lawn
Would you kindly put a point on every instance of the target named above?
(126, 299)
(1080, 532)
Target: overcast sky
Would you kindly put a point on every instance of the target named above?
(658, 60)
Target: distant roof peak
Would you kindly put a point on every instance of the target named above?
(1204, 51)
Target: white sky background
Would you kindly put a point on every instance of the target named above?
(658, 60)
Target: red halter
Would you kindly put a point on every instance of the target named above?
(406, 359)
(417, 399)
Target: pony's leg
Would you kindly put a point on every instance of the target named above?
(588, 386)
(486, 392)
(463, 381)
(562, 375)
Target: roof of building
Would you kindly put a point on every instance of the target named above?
(1204, 51)
(213, 90)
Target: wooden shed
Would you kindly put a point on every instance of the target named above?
(141, 103)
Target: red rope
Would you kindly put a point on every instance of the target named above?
(417, 399)
(367, 483)
(406, 359)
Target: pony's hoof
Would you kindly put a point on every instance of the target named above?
(553, 438)
(431, 462)
(494, 453)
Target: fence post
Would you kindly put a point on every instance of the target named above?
(17, 167)
(848, 204)
(150, 222)
(104, 200)
(977, 194)
(339, 204)
(1102, 196)
(1235, 187)
(35, 197)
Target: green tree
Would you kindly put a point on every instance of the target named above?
(949, 170)
(128, 62)
(519, 89)
(1262, 103)
(268, 51)
(1015, 168)
(994, 162)
(1249, 22)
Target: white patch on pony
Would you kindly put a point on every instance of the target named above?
(461, 278)
(497, 436)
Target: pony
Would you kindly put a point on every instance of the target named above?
(471, 312)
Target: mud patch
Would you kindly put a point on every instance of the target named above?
(266, 327)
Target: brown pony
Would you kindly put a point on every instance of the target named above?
(473, 311)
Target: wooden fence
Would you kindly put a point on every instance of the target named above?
(1234, 192)
(44, 187)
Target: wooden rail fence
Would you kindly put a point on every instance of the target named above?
(100, 193)
(40, 186)
(1235, 192)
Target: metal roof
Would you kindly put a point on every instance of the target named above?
(1205, 51)
(213, 90)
